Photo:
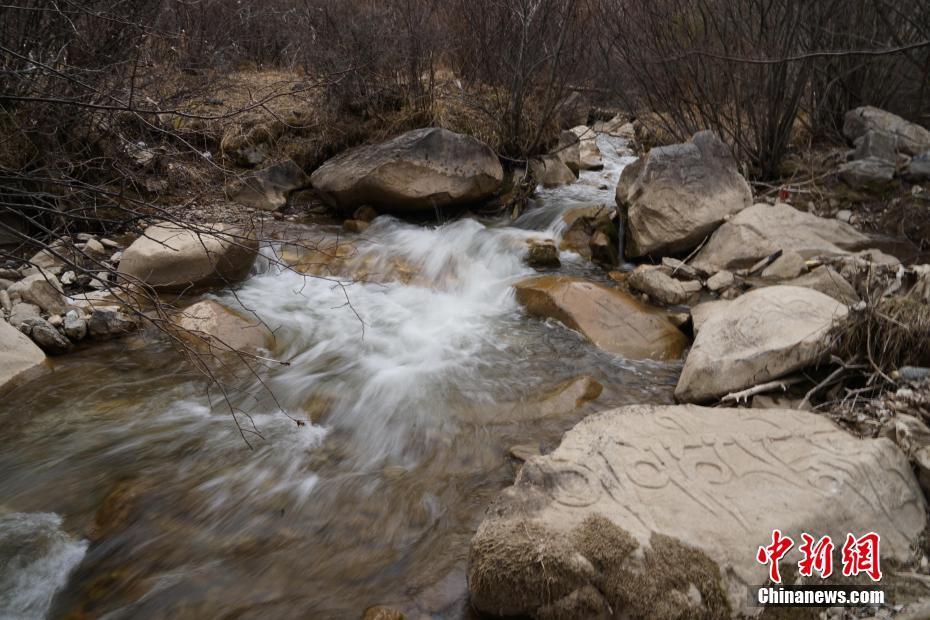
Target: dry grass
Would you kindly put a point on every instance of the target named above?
(892, 333)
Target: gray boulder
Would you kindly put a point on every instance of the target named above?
(910, 138)
(826, 280)
(656, 512)
(762, 335)
(417, 171)
(761, 230)
(20, 359)
(677, 195)
(876, 145)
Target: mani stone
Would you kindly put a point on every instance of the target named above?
(658, 511)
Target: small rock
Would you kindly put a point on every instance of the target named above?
(542, 254)
(116, 258)
(5, 303)
(523, 452)
(876, 145)
(68, 278)
(109, 243)
(679, 269)
(10, 274)
(659, 286)
(355, 226)
(55, 320)
(95, 249)
(844, 215)
(109, 322)
(788, 266)
(5, 284)
(380, 612)
(603, 251)
(569, 396)
(47, 337)
(720, 280)
(75, 327)
(918, 169)
(85, 237)
(365, 214)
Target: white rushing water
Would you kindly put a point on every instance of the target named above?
(37, 559)
(384, 355)
(411, 385)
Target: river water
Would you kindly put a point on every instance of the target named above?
(128, 492)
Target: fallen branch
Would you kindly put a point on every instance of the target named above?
(745, 395)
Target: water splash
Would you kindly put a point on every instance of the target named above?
(37, 559)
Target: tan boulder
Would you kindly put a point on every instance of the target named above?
(762, 335)
(550, 171)
(221, 329)
(677, 195)
(657, 512)
(171, 258)
(589, 155)
(417, 171)
(608, 317)
(761, 230)
(20, 359)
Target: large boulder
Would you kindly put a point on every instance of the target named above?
(657, 512)
(414, 172)
(216, 328)
(761, 230)
(757, 337)
(172, 258)
(910, 138)
(608, 317)
(677, 195)
(20, 359)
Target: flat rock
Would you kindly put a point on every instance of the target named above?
(269, 188)
(170, 258)
(760, 336)
(20, 359)
(761, 230)
(569, 396)
(220, 329)
(416, 171)
(648, 509)
(910, 138)
(867, 174)
(677, 195)
(609, 318)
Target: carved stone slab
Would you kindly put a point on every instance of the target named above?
(718, 480)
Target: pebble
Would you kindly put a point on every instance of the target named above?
(67, 277)
(109, 243)
(5, 303)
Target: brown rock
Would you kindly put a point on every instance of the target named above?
(221, 329)
(610, 318)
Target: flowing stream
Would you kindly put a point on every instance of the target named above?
(128, 492)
